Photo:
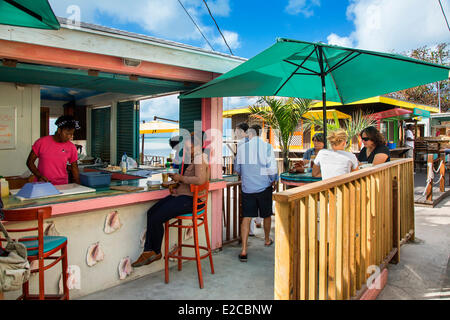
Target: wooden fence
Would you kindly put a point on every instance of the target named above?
(331, 236)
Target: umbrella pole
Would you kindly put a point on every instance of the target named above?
(324, 93)
(142, 153)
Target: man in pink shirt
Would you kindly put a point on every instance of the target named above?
(55, 153)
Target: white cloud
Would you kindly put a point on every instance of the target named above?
(400, 25)
(165, 107)
(304, 7)
(334, 39)
(232, 40)
(161, 18)
(220, 8)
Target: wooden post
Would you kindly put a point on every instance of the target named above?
(142, 154)
(442, 172)
(284, 273)
(395, 221)
(429, 172)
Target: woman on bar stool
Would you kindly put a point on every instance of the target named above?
(195, 171)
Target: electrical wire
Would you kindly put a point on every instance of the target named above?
(218, 27)
(445, 17)
(196, 26)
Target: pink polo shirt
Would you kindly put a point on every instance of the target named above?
(54, 157)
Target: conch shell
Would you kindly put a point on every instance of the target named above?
(50, 229)
(125, 268)
(112, 222)
(142, 238)
(94, 254)
(73, 279)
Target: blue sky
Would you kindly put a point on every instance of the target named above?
(250, 26)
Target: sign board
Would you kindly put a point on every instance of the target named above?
(8, 128)
(421, 113)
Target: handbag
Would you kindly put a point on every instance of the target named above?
(14, 267)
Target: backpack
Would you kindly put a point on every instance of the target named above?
(14, 265)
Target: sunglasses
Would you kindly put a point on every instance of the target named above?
(365, 138)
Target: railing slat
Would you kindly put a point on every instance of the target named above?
(304, 276)
(346, 241)
(332, 244)
(312, 241)
(358, 248)
(339, 242)
(323, 242)
(363, 231)
(353, 204)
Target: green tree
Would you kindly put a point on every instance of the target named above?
(433, 94)
(283, 115)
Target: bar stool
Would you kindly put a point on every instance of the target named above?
(198, 218)
(40, 248)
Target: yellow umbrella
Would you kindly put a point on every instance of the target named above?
(157, 126)
(318, 114)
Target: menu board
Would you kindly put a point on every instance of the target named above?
(7, 128)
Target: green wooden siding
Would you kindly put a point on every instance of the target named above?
(101, 133)
(128, 129)
(190, 111)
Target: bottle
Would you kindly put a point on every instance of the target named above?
(4, 187)
(124, 163)
(168, 163)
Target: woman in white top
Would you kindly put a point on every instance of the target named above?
(335, 162)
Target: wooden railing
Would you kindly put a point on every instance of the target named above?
(331, 236)
(228, 162)
(231, 212)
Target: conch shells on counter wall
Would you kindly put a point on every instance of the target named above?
(94, 254)
(73, 279)
(50, 229)
(125, 268)
(112, 222)
(142, 238)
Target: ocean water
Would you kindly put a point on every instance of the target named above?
(159, 146)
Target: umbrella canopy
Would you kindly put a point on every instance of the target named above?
(293, 68)
(28, 13)
(317, 114)
(157, 126)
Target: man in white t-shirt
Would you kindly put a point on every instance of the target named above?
(334, 162)
(409, 140)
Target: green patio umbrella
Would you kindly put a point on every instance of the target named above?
(318, 71)
(28, 13)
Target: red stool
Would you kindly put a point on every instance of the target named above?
(40, 248)
(198, 218)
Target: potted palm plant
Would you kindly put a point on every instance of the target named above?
(282, 115)
(353, 126)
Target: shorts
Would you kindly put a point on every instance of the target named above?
(261, 202)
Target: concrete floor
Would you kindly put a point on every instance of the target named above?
(424, 268)
(233, 280)
(423, 272)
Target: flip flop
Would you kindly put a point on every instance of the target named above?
(269, 244)
(243, 258)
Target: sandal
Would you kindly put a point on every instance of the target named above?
(269, 244)
(243, 258)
